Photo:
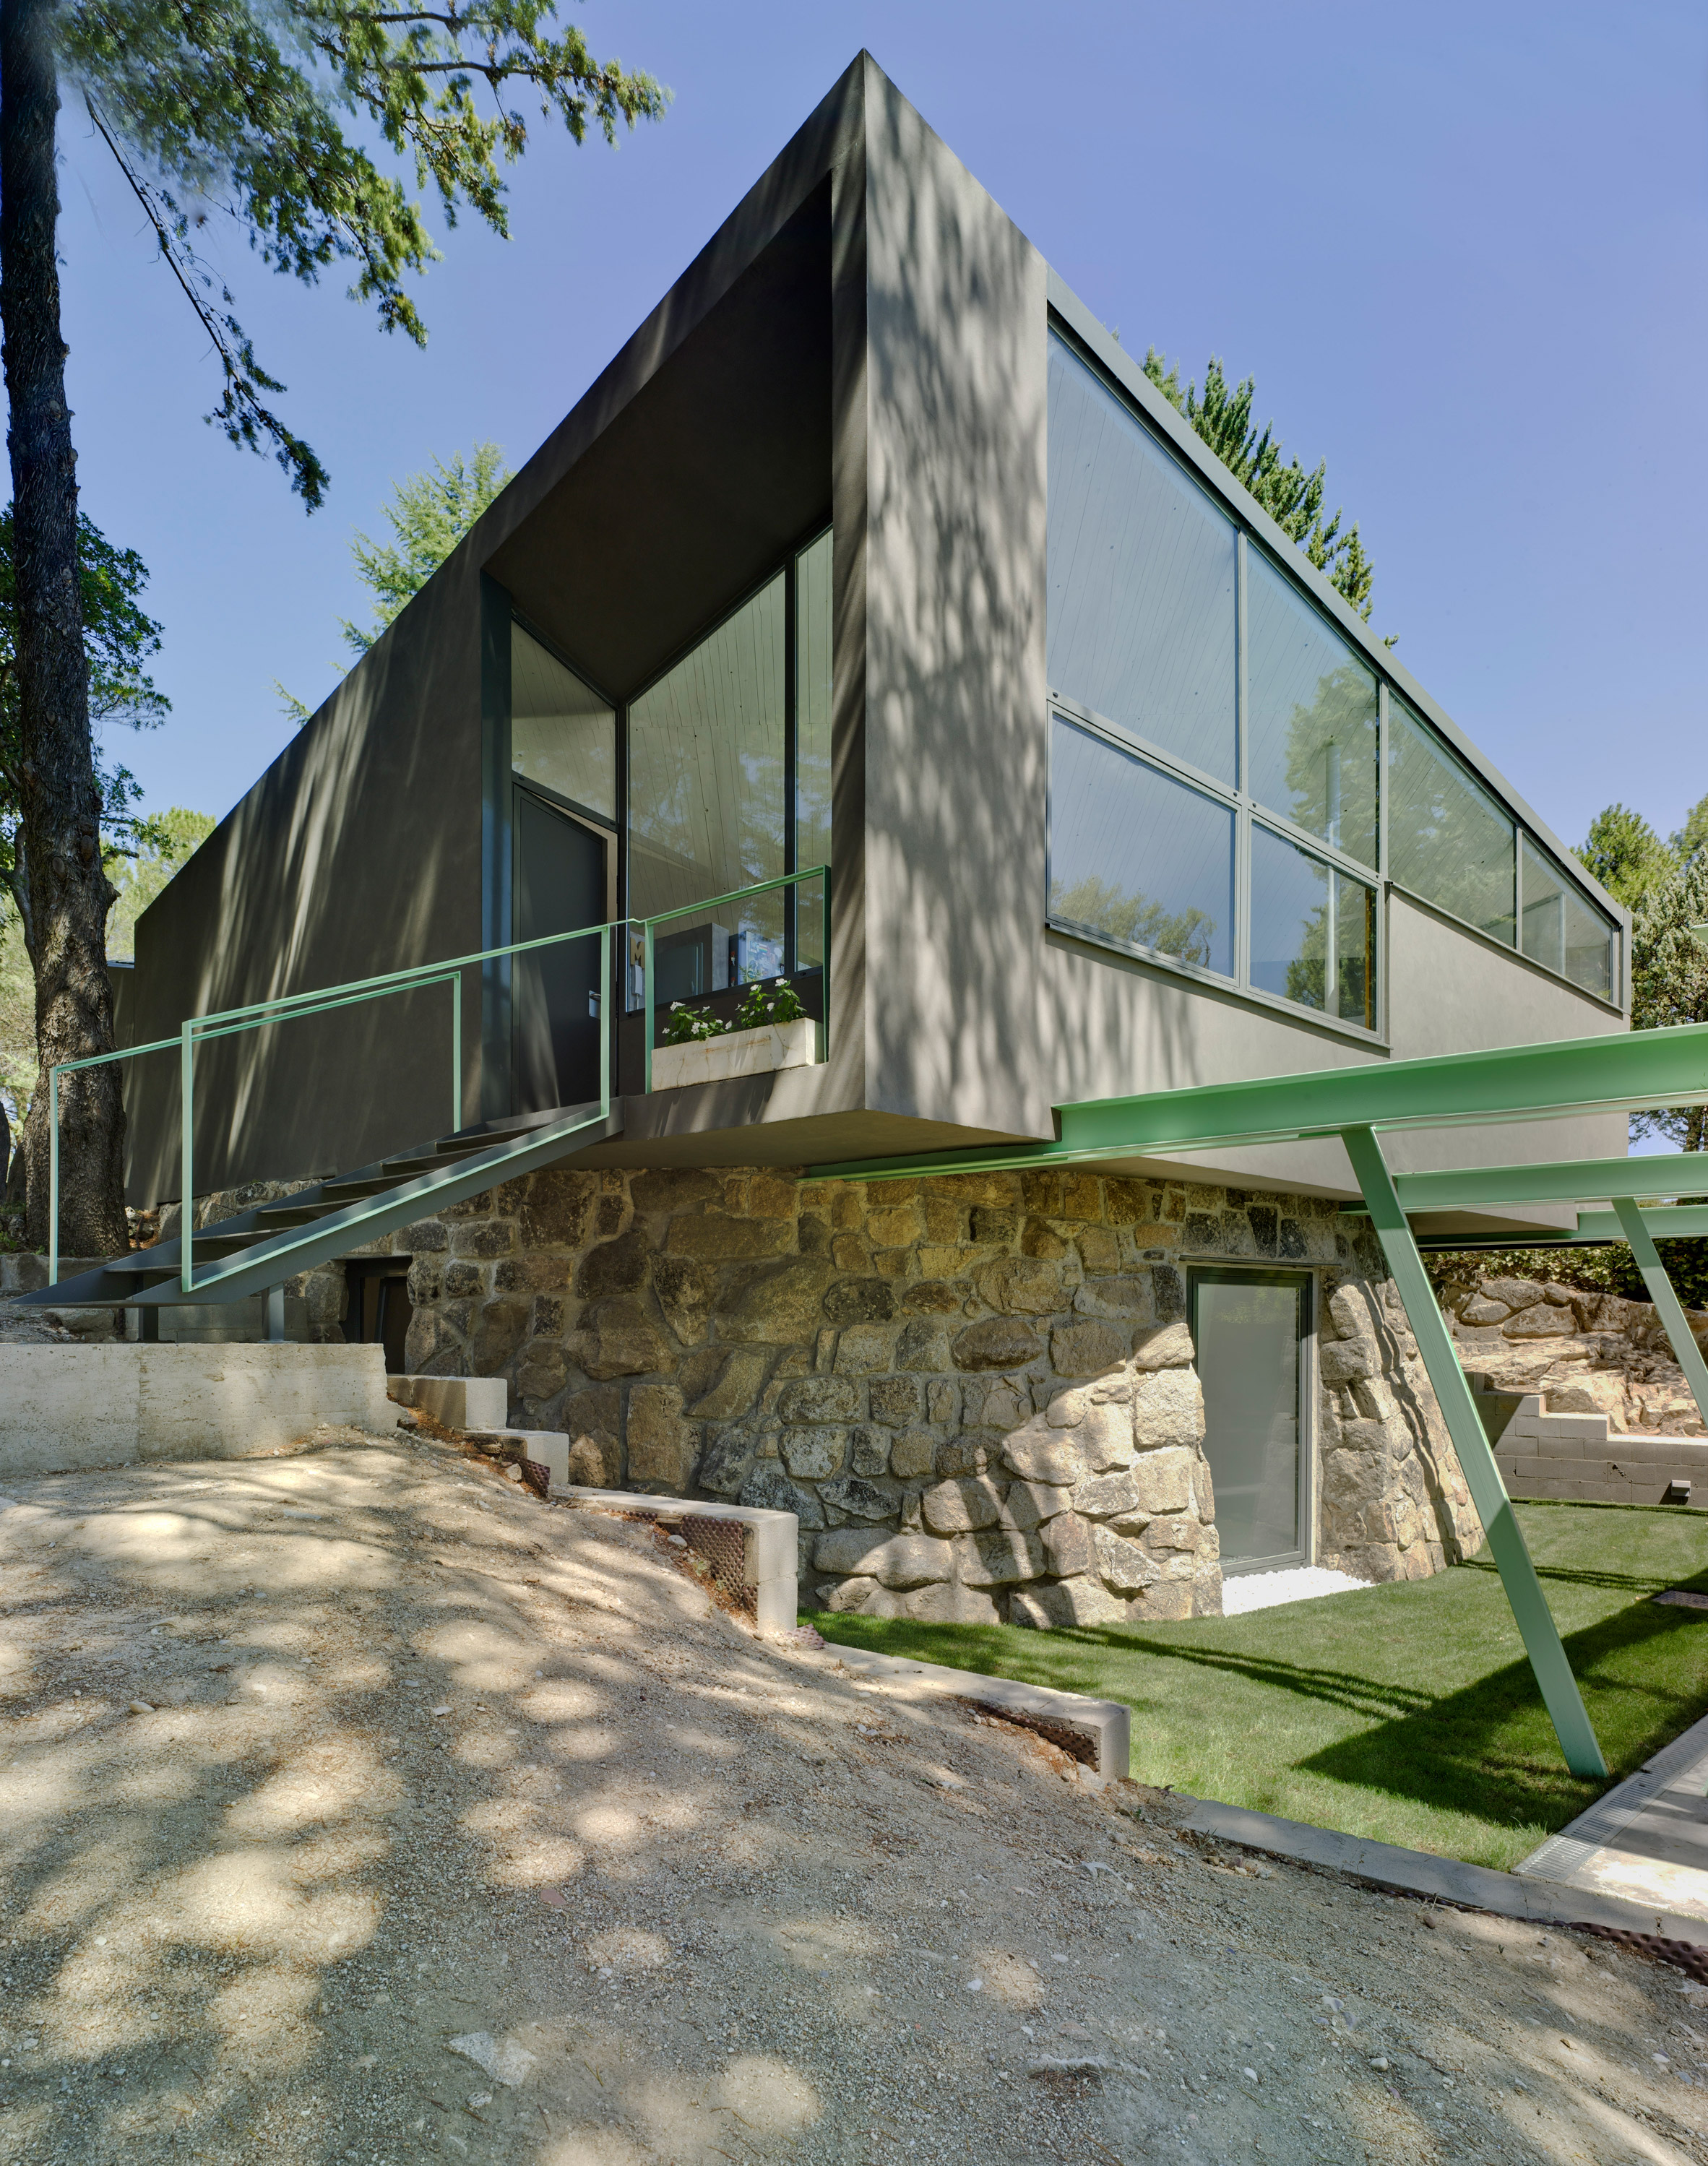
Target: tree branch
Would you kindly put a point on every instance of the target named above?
(241, 414)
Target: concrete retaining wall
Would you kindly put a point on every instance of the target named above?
(1578, 1456)
(68, 1407)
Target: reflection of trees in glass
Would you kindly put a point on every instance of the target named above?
(1354, 942)
(1306, 974)
(1331, 761)
(1101, 907)
(1448, 842)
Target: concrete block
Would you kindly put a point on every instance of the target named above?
(770, 1546)
(481, 1403)
(62, 1408)
(1107, 1724)
(546, 1447)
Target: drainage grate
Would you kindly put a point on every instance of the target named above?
(722, 1544)
(1690, 1958)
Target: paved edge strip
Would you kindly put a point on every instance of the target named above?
(1448, 1879)
(1683, 1762)
(1106, 1722)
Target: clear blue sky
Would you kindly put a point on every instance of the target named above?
(1462, 247)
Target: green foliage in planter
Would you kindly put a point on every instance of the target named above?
(778, 1002)
(685, 1025)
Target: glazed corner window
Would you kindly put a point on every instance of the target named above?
(1312, 931)
(1447, 839)
(1561, 930)
(1312, 729)
(563, 735)
(1142, 577)
(706, 780)
(1138, 857)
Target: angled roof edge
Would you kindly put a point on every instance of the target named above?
(817, 147)
(1113, 357)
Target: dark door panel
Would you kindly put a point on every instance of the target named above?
(560, 884)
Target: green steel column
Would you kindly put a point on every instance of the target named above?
(1518, 1574)
(1685, 1351)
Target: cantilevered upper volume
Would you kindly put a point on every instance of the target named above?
(870, 550)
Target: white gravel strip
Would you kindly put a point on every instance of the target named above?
(1246, 1590)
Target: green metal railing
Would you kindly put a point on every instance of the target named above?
(716, 902)
(288, 1007)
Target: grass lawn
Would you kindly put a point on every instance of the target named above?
(1407, 1713)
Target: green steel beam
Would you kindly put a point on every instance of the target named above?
(1668, 1306)
(1667, 1221)
(1617, 1073)
(1518, 1574)
(1669, 1173)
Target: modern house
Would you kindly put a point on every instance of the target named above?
(873, 550)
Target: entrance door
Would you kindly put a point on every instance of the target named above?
(1248, 1328)
(559, 884)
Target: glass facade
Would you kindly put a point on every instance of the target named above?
(1560, 930)
(813, 626)
(1205, 703)
(563, 735)
(1142, 577)
(706, 782)
(729, 785)
(1448, 840)
(1312, 726)
(1312, 931)
(1138, 856)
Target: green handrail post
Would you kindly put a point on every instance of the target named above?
(647, 1001)
(605, 1006)
(186, 1115)
(53, 1176)
(456, 1051)
(1668, 1307)
(824, 969)
(1518, 1573)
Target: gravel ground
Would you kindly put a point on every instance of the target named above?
(354, 1807)
(34, 1327)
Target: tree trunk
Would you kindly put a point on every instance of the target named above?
(62, 808)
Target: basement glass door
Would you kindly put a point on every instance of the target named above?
(560, 884)
(1248, 1328)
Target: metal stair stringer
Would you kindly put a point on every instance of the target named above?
(276, 1257)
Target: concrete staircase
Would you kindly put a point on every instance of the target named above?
(1578, 1456)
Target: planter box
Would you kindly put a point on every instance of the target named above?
(736, 1053)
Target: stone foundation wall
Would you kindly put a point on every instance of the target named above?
(1391, 1499)
(976, 1393)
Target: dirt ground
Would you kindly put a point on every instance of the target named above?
(357, 1807)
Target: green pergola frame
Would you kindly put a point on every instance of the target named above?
(1621, 1073)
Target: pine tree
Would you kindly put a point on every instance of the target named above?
(1292, 498)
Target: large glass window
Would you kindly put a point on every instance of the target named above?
(1138, 857)
(1560, 929)
(706, 793)
(1142, 576)
(1165, 613)
(1312, 931)
(813, 688)
(1447, 838)
(563, 735)
(1312, 729)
